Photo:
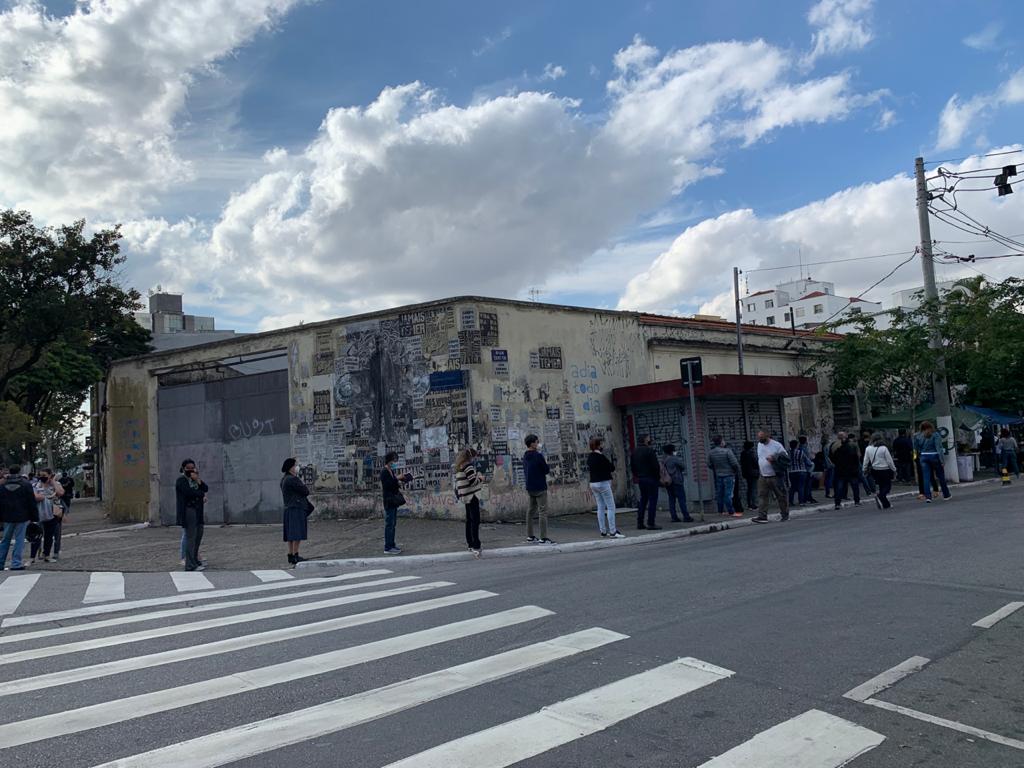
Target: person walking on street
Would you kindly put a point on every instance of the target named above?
(799, 470)
(847, 471)
(931, 450)
(1007, 446)
(878, 461)
(773, 464)
(18, 508)
(647, 470)
(903, 455)
(391, 488)
(601, 469)
(468, 485)
(725, 467)
(297, 509)
(190, 492)
(675, 470)
(50, 512)
(751, 473)
(536, 470)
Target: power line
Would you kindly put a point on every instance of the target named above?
(873, 285)
(834, 261)
(968, 157)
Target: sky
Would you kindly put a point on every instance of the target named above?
(281, 161)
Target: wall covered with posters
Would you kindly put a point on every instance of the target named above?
(426, 383)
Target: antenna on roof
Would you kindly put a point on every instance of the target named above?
(800, 258)
(535, 293)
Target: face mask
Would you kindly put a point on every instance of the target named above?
(394, 466)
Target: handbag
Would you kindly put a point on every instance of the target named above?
(309, 507)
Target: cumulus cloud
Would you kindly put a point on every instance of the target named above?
(553, 72)
(839, 26)
(960, 116)
(89, 100)
(985, 39)
(867, 220)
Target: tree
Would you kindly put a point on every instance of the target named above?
(16, 433)
(63, 318)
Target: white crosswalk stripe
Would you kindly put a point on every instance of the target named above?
(190, 581)
(104, 586)
(814, 739)
(14, 589)
(273, 575)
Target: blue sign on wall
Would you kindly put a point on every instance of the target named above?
(446, 381)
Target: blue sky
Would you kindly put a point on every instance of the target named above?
(235, 188)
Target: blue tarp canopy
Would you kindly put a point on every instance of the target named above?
(997, 417)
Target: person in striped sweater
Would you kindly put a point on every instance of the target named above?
(468, 485)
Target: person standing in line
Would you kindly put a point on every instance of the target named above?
(601, 469)
(806, 495)
(751, 473)
(1008, 453)
(725, 467)
(391, 487)
(799, 469)
(773, 464)
(536, 471)
(468, 485)
(879, 463)
(930, 450)
(50, 512)
(830, 455)
(297, 508)
(847, 471)
(18, 508)
(903, 455)
(190, 492)
(647, 470)
(675, 468)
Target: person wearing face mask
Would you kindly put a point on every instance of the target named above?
(190, 492)
(50, 512)
(536, 471)
(297, 509)
(773, 463)
(391, 486)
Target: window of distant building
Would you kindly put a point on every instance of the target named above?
(855, 310)
(769, 304)
(770, 320)
(785, 317)
(751, 307)
(819, 309)
(800, 312)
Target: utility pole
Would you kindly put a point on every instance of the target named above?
(940, 386)
(739, 314)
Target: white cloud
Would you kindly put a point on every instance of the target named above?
(959, 117)
(877, 218)
(886, 119)
(839, 26)
(490, 42)
(553, 72)
(89, 100)
(986, 38)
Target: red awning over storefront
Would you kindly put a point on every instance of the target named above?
(718, 385)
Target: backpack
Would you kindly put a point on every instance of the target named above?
(664, 477)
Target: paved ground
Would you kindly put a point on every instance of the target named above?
(774, 625)
(115, 547)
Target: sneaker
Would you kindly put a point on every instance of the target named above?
(605, 535)
(546, 541)
(393, 551)
(927, 501)
(182, 563)
(812, 501)
(857, 504)
(784, 518)
(689, 519)
(55, 558)
(202, 567)
(759, 519)
(947, 497)
(736, 514)
(532, 539)
(47, 560)
(641, 527)
(617, 535)
(298, 559)
(476, 553)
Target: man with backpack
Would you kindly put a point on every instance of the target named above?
(647, 470)
(773, 463)
(18, 507)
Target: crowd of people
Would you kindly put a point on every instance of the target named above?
(33, 508)
(767, 469)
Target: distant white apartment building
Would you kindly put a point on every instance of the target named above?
(803, 304)
(172, 328)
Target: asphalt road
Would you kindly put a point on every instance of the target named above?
(777, 622)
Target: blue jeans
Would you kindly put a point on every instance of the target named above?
(605, 506)
(390, 522)
(677, 493)
(184, 547)
(829, 481)
(724, 486)
(931, 466)
(1009, 460)
(797, 486)
(843, 484)
(15, 531)
(648, 500)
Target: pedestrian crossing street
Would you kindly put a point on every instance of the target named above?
(247, 667)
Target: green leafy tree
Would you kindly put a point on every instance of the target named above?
(63, 318)
(17, 433)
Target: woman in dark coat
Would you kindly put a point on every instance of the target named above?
(391, 488)
(296, 509)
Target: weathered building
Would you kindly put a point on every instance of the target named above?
(425, 381)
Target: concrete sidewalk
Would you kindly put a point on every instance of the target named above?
(93, 543)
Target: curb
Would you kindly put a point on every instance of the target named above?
(132, 527)
(531, 550)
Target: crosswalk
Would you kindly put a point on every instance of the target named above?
(114, 676)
